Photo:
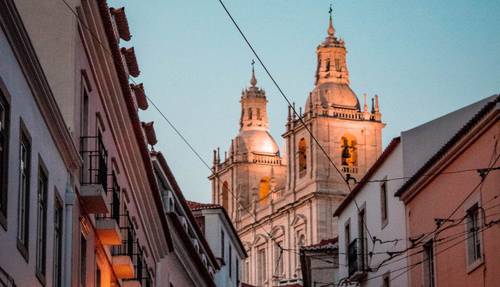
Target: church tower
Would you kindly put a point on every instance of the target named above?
(283, 203)
(246, 177)
(351, 136)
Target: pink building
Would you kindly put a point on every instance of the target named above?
(453, 208)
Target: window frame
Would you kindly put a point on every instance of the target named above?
(58, 240)
(428, 266)
(4, 155)
(386, 279)
(473, 208)
(261, 266)
(384, 203)
(347, 239)
(41, 221)
(24, 194)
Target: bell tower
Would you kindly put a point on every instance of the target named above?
(332, 66)
(253, 107)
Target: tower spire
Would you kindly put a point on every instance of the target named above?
(253, 80)
(331, 30)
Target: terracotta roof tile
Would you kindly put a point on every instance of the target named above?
(199, 206)
(323, 244)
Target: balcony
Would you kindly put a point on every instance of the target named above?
(123, 254)
(94, 174)
(142, 277)
(357, 262)
(108, 225)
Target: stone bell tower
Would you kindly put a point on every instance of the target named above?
(351, 135)
(247, 176)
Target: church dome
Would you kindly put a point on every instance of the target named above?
(333, 95)
(255, 141)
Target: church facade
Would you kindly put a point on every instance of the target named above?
(280, 201)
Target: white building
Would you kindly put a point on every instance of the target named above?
(223, 240)
(37, 160)
(371, 223)
(191, 262)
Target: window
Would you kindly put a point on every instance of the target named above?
(250, 113)
(338, 68)
(84, 116)
(247, 271)
(258, 114)
(278, 259)
(222, 246)
(83, 260)
(225, 195)
(383, 202)
(473, 235)
(349, 151)
(24, 193)
(237, 272)
(58, 234)
(347, 237)
(386, 280)
(362, 237)
(261, 266)
(41, 223)
(264, 190)
(4, 143)
(302, 157)
(230, 261)
(428, 264)
(327, 67)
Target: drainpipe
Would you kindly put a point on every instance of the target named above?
(70, 197)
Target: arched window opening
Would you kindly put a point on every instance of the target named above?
(327, 68)
(338, 68)
(264, 190)
(250, 113)
(258, 114)
(225, 195)
(349, 151)
(302, 156)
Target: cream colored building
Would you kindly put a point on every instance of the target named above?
(288, 198)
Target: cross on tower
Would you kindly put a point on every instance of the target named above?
(331, 10)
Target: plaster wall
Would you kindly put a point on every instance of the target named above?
(440, 197)
(23, 108)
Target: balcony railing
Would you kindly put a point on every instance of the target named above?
(357, 254)
(141, 270)
(124, 253)
(95, 161)
(115, 201)
(94, 174)
(108, 224)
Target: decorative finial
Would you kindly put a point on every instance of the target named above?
(253, 80)
(331, 30)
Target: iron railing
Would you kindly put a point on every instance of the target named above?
(115, 201)
(95, 161)
(129, 245)
(357, 254)
(140, 268)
